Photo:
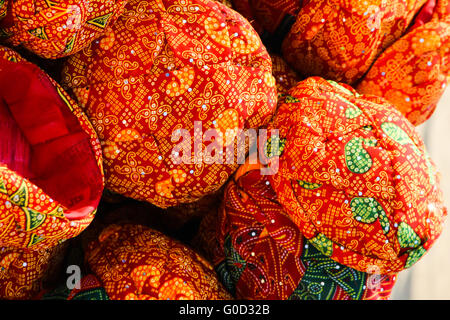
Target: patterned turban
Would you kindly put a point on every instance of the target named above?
(334, 39)
(54, 29)
(133, 262)
(261, 254)
(51, 177)
(412, 73)
(355, 177)
(163, 73)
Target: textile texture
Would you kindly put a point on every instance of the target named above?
(164, 66)
(412, 73)
(51, 177)
(137, 263)
(23, 271)
(334, 39)
(355, 177)
(55, 29)
(261, 254)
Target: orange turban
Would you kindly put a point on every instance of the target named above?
(134, 262)
(412, 73)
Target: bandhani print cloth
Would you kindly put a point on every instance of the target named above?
(413, 72)
(162, 67)
(261, 254)
(21, 272)
(355, 177)
(133, 262)
(55, 29)
(340, 39)
(51, 177)
(334, 39)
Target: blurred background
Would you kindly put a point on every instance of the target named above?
(430, 277)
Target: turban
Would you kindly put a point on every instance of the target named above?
(134, 262)
(412, 73)
(54, 29)
(334, 39)
(354, 176)
(261, 254)
(51, 177)
(163, 73)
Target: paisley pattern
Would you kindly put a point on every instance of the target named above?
(373, 172)
(55, 29)
(133, 262)
(163, 66)
(358, 160)
(412, 73)
(261, 254)
(40, 207)
(326, 279)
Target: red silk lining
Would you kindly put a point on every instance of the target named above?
(43, 141)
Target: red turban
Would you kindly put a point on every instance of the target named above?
(163, 66)
(23, 272)
(334, 39)
(54, 29)
(355, 177)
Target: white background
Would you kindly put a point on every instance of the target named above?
(430, 277)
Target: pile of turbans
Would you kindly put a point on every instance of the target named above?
(128, 149)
